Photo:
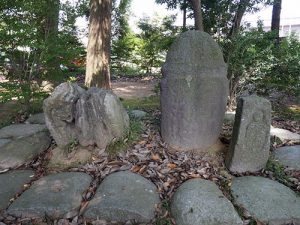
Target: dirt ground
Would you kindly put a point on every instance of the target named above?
(130, 90)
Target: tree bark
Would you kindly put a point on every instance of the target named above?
(275, 25)
(184, 15)
(196, 4)
(236, 24)
(98, 49)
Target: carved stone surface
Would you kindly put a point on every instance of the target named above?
(95, 116)
(250, 144)
(193, 92)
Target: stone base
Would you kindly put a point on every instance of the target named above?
(62, 159)
(213, 150)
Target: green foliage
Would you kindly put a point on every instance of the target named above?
(132, 135)
(255, 60)
(278, 170)
(37, 42)
(143, 53)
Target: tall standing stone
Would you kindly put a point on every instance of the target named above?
(194, 89)
(250, 144)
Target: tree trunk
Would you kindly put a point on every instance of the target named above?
(275, 25)
(98, 49)
(196, 4)
(184, 15)
(236, 24)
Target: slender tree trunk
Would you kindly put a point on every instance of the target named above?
(196, 4)
(236, 24)
(275, 25)
(98, 49)
(50, 33)
(184, 15)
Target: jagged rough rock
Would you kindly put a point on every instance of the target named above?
(100, 118)
(4, 142)
(284, 135)
(95, 116)
(124, 196)
(268, 201)
(38, 118)
(200, 201)
(138, 114)
(63, 159)
(54, 195)
(194, 89)
(23, 150)
(250, 144)
(289, 156)
(21, 130)
(14, 182)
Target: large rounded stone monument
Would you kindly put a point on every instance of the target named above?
(194, 89)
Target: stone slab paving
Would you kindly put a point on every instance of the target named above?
(4, 142)
(289, 156)
(21, 130)
(138, 114)
(124, 196)
(268, 201)
(200, 201)
(284, 135)
(38, 118)
(12, 183)
(53, 195)
(22, 150)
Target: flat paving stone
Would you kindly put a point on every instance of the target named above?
(12, 183)
(21, 130)
(289, 156)
(124, 196)
(22, 150)
(284, 135)
(266, 200)
(4, 142)
(38, 118)
(53, 195)
(200, 201)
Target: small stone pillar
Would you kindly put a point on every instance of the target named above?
(194, 91)
(250, 143)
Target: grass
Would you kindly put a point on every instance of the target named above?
(287, 112)
(278, 170)
(133, 134)
(152, 102)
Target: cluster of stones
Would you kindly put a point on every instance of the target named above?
(193, 103)
(125, 196)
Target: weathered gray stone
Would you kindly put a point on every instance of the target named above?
(59, 110)
(53, 195)
(62, 159)
(138, 114)
(284, 135)
(250, 144)
(289, 156)
(38, 118)
(193, 92)
(21, 130)
(199, 201)
(4, 142)
(22, 150)
(12, 183)
(92, 117)
(124, 196)
(268, 201)
(100, 118)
